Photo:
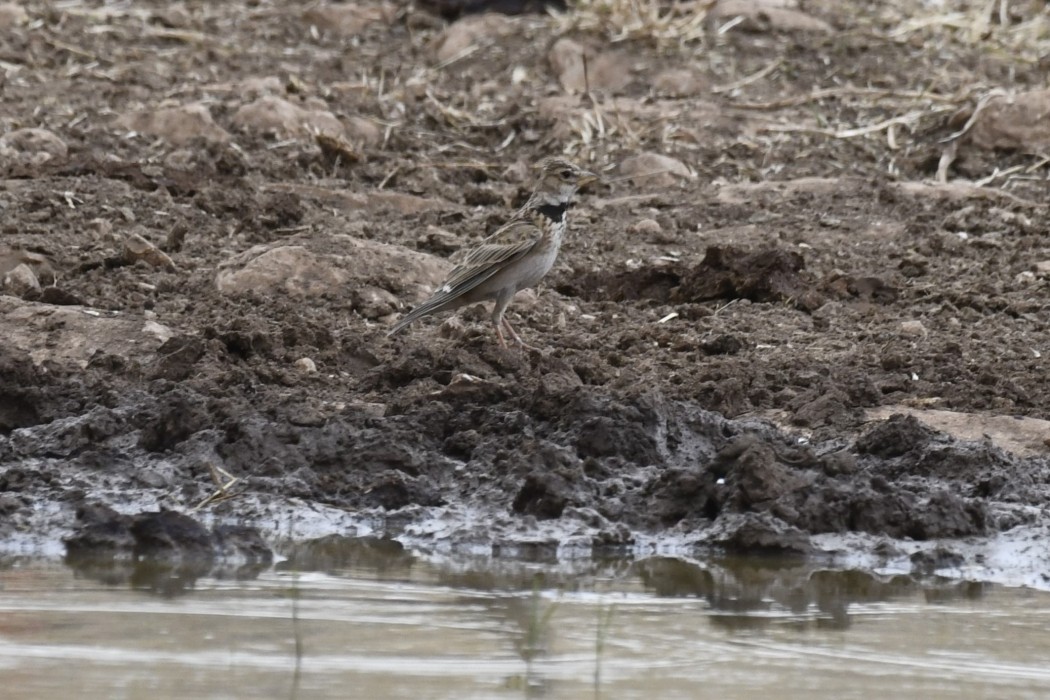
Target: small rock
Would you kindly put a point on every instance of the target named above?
(157, 330)
(298, 270)
(373, 302)
(20, 280)
(36, 145)
(99, 530)
(175, 16)
(363, 132)
(680, 82)
(292, 269)
(459, 36)
(177, 125)
(768, 15)
(58, 297)
(305, 364)
(913, 328)
(74, 334)
(274, 115)
(11, 15)
(1042, 267)
(9, 503)
(1014, 122)
(645, 227)
(364, 408)
(257, 86)
(604, 71)
(655, 169)
(152, 478)
(452, 327)
(170, 535)
(138, 248)
(1013, 219)
(1026, 277)
(400, 202)
(438, 240)
(757, 532)
(102, 228)
(348, 19)
(12, 257)
(242, 542)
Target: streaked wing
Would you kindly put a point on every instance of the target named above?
(506, 245)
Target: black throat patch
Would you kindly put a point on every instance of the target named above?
(554, 212)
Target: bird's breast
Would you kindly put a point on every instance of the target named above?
(533, 267)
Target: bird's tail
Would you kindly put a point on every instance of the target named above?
(403, 323)
(434, 303)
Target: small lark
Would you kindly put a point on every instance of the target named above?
(516, 256)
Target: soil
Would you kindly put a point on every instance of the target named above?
(214, 280)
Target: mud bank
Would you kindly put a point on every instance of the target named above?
(813, 332)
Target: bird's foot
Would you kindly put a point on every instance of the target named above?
(515, 337)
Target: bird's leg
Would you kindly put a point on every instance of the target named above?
(498, 307)
(500, 321)
(517, 338)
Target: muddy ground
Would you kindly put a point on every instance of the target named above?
(809, 302)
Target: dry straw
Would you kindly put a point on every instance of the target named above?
(648, 20)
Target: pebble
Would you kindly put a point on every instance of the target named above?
(645, 227)
(138, 248)
(40, 144)
(372, 302)
(12, 14)
(274, 115)
(305, 364)
(655, 169)
(178, 125)
(20, 280)
(913, 328)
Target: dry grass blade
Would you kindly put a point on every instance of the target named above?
(183, 35)
(621, 20)
(222, 492)
(468, 51)
(846, 91)
(973, 117)
(747, 80)
(460, 118)
(997, 173)
(75, 50)
(970, 22)
(906, 120)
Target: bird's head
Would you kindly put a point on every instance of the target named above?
(559, 180)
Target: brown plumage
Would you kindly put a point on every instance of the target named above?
(516, 256)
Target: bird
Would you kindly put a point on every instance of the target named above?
(516, 256)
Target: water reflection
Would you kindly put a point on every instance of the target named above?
(743, 591)
(164, 577)
(341, 613)
(385, 557)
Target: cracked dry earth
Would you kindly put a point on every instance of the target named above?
(784, 341)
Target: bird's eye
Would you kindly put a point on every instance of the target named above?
(566, 174)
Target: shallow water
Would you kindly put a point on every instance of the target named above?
(374, 622)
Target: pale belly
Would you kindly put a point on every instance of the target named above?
(532, 270)
(523, 274)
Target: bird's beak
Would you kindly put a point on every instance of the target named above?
(587, 177)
